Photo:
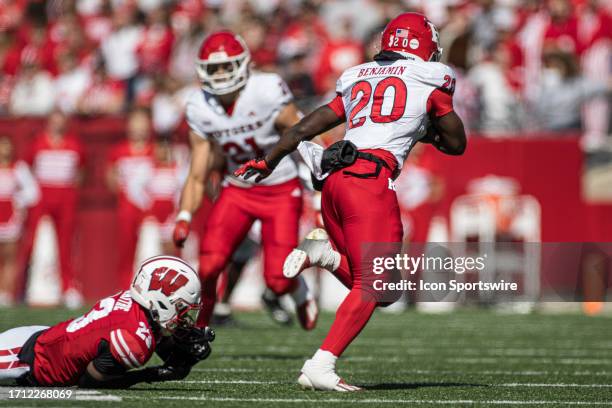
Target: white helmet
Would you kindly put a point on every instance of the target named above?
(228, 50)
(169, 289)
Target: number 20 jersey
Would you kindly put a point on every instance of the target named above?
(247, 132)
(386, 102)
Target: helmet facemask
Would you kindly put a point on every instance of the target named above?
(186, 317)
(220, 74)
(436, 56)
(173, 315)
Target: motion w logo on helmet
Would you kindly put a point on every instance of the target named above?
(167, 280)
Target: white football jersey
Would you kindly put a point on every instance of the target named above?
(386, 102)
(249, 132)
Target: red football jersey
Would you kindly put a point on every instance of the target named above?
(63, 352)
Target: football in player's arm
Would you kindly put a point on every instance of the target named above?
(108, 346)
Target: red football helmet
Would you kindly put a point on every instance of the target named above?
(223, 63)
(412, 33)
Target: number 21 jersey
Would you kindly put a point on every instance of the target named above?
(248, 131)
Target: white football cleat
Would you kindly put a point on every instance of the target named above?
(319, 377)
(307, 314)
(314, 250)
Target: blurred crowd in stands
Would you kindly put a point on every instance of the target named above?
(523, 65)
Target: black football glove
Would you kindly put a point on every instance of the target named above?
(190, 346)
(169, 372)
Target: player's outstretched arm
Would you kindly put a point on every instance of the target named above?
(180, 353)
(313, 124)
(193, 189)
(92, 378)
(447, 134)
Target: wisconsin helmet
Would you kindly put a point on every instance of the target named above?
(170, 290)
(222, 64)
(414, 34)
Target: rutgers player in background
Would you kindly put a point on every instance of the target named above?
(102, 348)
(130, 166)
(18, 190)
(244, 112)
(402, 97)
(57, 160)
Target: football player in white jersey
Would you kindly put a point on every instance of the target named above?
(244, 112)
(402, 97)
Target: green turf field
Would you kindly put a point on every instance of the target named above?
(469, 358)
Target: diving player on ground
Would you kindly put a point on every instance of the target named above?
(105, 347)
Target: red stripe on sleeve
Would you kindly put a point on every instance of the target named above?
(439, 103)
(337, 106)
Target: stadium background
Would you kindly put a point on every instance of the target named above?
(533, 89)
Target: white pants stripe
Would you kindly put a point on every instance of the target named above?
(11, 342)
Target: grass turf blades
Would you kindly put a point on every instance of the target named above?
(467, 358)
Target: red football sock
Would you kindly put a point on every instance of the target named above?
(351, 317)
(343, 273)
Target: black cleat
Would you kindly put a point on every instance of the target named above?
(223, 316)
(275, 309)
(223, 320)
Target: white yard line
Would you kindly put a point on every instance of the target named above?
(560, 385)
(232, 382)
(373, 401)
(535, 360)
(544, 385)
(99, 398)
(496, 351)
(411, 349)
(462, 360)
(600, 373)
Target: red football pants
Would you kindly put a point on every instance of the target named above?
(60, 204)
(129, 219)
(357, 211)
(278, 208)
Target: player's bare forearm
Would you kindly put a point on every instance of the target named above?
(313, 124)
(191, 196)
(201, 162)
(448, 134)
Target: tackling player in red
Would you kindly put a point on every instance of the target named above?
(245, 113)
(106, 347)
(402, 97)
